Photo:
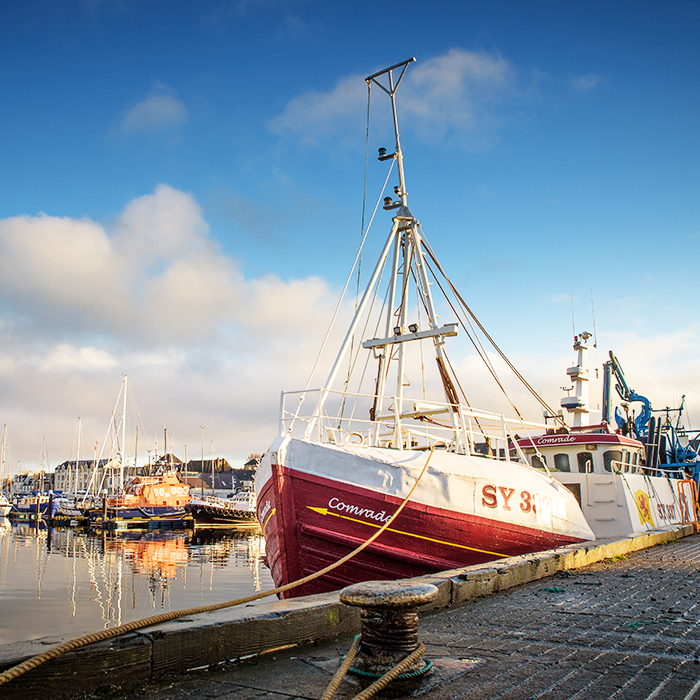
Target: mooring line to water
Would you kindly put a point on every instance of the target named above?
(112, 632)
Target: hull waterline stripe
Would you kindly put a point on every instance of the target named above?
(325, 511)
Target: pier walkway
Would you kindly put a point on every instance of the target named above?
(626, 627)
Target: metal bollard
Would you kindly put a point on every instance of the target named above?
(389, 624)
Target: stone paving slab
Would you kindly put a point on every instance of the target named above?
(627, 628)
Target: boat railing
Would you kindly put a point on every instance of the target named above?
(403, 424)
(672, 472)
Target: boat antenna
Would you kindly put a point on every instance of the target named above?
(573, 322)
(595, 333)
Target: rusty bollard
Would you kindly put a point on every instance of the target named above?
(389, 624)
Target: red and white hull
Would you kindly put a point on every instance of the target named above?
(318, 502)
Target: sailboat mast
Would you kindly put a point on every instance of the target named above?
(136, 450)
(3, 487)
(76, 484)
(123, 450)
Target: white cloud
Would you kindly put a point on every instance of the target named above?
(154, 297)
(64, 357)
(463, 96)
(155, 113)
(55, 269)
(155, 277)
(317, 118)
(584, 83)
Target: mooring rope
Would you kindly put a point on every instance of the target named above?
(112, 632)
(380, 683)
(344, 668)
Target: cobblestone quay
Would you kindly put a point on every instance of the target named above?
(624, 628)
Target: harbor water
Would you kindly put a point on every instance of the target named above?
(69, 582)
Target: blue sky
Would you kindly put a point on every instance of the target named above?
(181, 186)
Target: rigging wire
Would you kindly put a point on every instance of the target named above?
(359, 262)
(340, 300)
(353, 360)
(512, 367)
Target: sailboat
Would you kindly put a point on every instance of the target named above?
(337, 473)
(135, 499)
(36, 503)
(74, 504)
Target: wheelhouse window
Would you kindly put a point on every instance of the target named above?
(538, 462)
(585, 462)
(561, 462)
(610, 456)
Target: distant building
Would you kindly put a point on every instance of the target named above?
(26, 482)
(225, 477)
(88, 475)
(218, 464)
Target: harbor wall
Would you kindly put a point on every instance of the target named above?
(269, 624)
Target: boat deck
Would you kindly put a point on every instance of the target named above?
(625, 627)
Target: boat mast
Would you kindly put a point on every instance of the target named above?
(123, 450)
(76, 484)
(401, 204)
(3, 485)
(409, 241)
(406, 240)
(349, 335)
(392, 239)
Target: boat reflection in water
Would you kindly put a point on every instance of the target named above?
(62, 581)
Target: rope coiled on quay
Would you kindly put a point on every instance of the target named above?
(102, 635)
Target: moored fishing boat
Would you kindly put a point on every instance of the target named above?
(236, 510)
(636, 477)
(336, 474)
(33, 504)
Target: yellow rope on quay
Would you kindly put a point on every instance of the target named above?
(102, 635)
(340, 673)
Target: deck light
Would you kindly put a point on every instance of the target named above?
(397, 330)
(413, 327)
